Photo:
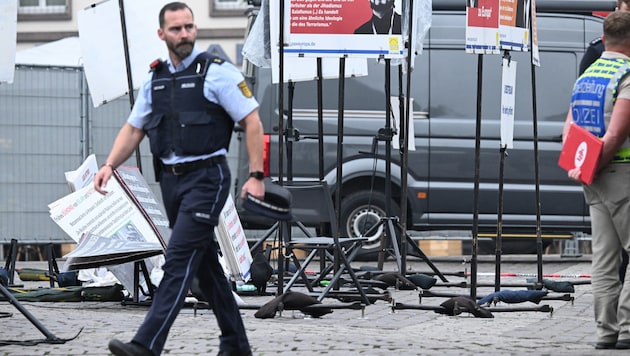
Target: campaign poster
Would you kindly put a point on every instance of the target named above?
(343, 28)
(482, 26)
(514, 24)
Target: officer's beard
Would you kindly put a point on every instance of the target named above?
(183, 49)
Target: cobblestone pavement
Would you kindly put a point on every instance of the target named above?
(375, 330)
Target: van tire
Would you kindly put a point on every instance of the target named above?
(365, 207)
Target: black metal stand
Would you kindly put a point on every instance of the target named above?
(50, 337)
(392, 227)
(9, 265)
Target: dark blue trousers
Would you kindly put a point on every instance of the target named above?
(193, 202)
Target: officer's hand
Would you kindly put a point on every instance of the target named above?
(254, 187)
(102, 177)
(575, 173)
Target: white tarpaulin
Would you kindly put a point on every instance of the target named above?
(65, 52)
(8, 29)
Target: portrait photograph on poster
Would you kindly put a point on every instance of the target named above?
(335, 28)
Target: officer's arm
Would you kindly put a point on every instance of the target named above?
(254, 139)
(617, 132)
(126, 142)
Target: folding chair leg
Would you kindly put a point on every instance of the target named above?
(338, 274)
(300, 272)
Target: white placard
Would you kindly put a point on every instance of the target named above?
(8, 29)
(508, 95)
(233, 243)
(103, 51)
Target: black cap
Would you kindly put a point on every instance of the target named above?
(276, 203)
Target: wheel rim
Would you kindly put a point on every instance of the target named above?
(363, 219)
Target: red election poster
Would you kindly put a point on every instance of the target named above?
(336, 28)
(482, 26)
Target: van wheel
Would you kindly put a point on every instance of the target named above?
(360, 211)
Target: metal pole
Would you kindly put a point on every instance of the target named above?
(389, 233)
(290, 132)
(320, 119)
(282, 226)
(499, 240)
(539, 244)
(340, 115)
(405, 117)
(342, 70)
(123, 24)
(475, 227)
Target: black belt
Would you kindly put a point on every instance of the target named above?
(179, 169)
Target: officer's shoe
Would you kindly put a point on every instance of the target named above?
(623, 344)
(119, 348)
(604, 345)
(235, 353)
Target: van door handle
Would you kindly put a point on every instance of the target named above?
(557, 138)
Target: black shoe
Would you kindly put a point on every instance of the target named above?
(605, 345)
(623, 344)
(235, 353)
(119, 348)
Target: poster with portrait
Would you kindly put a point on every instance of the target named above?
(296, 69)
(349, 28)
(482, 26)
(514, 24)
(8, 28)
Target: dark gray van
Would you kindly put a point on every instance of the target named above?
(442, 168)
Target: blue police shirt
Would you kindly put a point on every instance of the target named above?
(221, 86)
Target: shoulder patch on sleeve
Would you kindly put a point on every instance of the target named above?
(245, 89)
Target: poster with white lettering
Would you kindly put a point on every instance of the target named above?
(482, 26)
(514, 24)
(494, 25)
(336, 28)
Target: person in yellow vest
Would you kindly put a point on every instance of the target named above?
(601, 104)
(593, 52)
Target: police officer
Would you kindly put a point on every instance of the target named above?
(188, 107)
(601, 104)
(593, 52)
